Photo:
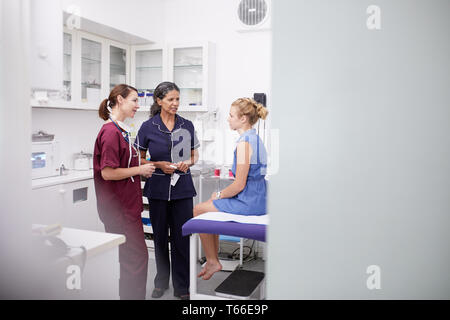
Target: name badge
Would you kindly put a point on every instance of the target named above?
(174, 179)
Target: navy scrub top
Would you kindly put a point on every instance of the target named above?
(172, 146)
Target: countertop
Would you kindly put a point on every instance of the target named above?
(72, 176)
(95, 242)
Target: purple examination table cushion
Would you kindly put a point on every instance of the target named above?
(229, 228)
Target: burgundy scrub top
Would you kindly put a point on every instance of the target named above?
(115, 198)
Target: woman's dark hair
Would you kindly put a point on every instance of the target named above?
(119, 90)
(160, 92)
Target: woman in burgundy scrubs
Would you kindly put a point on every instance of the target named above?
(117, 172)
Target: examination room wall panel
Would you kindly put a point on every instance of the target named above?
(16, 272)
(360, 207)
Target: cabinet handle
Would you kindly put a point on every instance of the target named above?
(62, 191)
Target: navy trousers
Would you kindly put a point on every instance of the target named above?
(169, 216)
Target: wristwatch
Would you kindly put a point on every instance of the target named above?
(218, 194)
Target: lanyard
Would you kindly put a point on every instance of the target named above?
(124, 134)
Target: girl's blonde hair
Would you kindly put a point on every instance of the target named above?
(250, 108)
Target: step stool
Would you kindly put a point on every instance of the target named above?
(241, 284)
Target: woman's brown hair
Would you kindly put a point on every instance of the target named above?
(122, 90)
(250, 108)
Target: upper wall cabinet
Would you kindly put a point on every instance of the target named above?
(148, 69)
(119, 64)
(92, 66)
(46, 45)
(192, 68)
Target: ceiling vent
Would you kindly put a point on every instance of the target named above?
(253, 15)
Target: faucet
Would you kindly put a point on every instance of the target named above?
(62, 169)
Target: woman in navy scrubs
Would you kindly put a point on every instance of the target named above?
(171, 142)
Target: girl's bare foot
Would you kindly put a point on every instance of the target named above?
(202, 272)
(209, 269)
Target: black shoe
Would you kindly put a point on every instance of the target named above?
(158, 292)
(182, 296)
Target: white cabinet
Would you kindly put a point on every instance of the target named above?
(92, 66)
(93, 69)
(73, 205)
(80, 205)
(46, 44)
(47, 205)
(191, 66)
(101, 64)
(148, 69)
(119, 64)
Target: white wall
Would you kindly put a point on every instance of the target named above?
(364, 149)
(139, 17)
(76, 130)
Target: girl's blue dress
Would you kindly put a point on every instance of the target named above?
(251, 200)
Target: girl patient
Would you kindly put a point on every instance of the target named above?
(247, 194)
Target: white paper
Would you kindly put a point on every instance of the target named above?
(174, 179)
(223, 216)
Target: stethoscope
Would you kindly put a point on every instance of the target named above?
(122, 127)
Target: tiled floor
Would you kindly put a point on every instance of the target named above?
(204, 286)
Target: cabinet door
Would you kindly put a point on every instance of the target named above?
(63, 98)
(191, 67)
(73, 205)
(119, 65)
(67, 66)
(80, 206)
(93, 70)
(188, 75)
(48, 205)
(46, 44)
(148, 69)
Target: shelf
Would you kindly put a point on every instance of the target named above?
(190, 66)
(192, 109)
(92, 61)
(145, 68)
(121, 66)
(91, 85)
(66, 105)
